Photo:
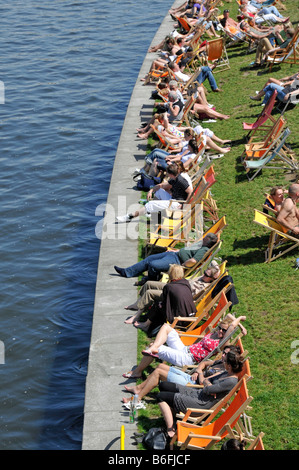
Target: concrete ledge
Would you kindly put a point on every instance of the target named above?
(113, 347)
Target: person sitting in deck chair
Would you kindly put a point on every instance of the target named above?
(274, 200)
(288, 215)
(177, 188)
(160, 262)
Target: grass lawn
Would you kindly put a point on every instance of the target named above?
(268, 293)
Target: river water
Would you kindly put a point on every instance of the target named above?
(68, 69)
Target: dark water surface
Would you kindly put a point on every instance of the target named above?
(68, 68)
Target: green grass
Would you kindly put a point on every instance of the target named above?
(268, 293)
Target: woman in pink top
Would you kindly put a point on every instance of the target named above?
(176, 353)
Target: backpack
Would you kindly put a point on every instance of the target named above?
(145, 182)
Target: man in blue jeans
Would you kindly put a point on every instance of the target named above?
(160, 262)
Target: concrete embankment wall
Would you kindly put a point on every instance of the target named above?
(113, 347)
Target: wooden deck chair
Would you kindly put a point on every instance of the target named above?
(173, 231)
(217, 51)
(184, 24)
(278, 236)
(194, 333)
(210, 254)
(258, 149)
(186, 111)
(191, 436)
(197, 416)
(257, 443)
(288, 55)
(156, 75)
(210, 208)
(264, 116)
(275, 159)
(163, 140)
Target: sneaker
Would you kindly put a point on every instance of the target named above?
(123, 218)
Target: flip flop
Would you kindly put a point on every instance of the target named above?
(147, 352)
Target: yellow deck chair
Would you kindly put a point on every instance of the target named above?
(278, 236)
(174, 231)
(194, 333)
(191, 436)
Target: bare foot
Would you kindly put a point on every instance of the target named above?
(141, 326)
(130, 320)
(228, 149)
(131, 389)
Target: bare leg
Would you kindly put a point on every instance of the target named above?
(216, 147)
(161, 338)
(168, 418)
(160, 373)
(199, 108)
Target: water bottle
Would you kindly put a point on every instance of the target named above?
(133, 412)
(297, 264)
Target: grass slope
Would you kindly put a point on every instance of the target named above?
(268, 293)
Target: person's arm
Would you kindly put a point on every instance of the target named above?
(287, 96)
(155, 188)
(235, 322)
(189, 192)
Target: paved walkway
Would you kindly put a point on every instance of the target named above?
(113, 348)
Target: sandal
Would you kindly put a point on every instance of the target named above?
(148, 352)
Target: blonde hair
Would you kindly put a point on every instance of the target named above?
(175, 271)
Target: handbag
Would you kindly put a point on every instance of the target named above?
(155, 439)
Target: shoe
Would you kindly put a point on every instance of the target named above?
(286, 20)
(255, 98)
(217, 90)
(123, 218)
(120, 271)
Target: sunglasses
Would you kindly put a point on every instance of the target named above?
(222, 329)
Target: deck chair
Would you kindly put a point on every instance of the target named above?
(288, 55)
(278, 236)
(258, 149)
(191, 436)
(186, 111)
(210, 208)
(282, 160)
(173, 231)
(184, 25)
(201, 183)
(163, 140)
(197, 416)
(194, 333)
(257, 443)
(217, 51)
(264, 116)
